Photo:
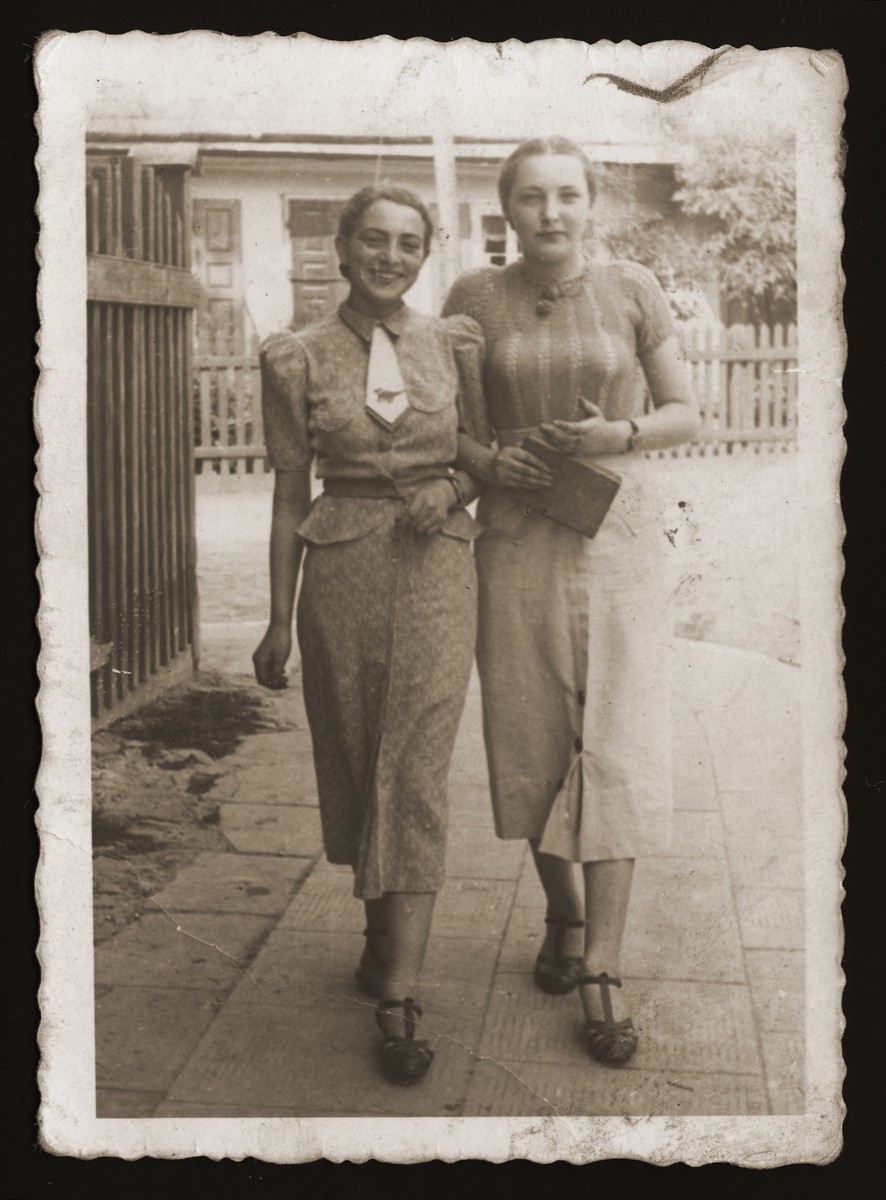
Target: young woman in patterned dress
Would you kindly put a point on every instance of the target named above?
(573, 632)
(387, 611)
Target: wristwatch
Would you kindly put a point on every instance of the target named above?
(635, 436)
(458, 489)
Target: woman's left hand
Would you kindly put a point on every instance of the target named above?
(594, 435)
(429, 507)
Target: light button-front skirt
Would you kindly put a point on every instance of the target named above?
(573, 649)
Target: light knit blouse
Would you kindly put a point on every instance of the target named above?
(591, 343)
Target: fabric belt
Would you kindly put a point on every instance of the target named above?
(373, 489)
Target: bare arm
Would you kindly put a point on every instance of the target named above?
(674, 418)
(472, 461)
(507, 467)
(292, 500)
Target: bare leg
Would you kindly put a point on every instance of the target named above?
(409, 925)
(558, 878)
(375, 954)
(607, 896)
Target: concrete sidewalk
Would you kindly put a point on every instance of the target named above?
(236, 998)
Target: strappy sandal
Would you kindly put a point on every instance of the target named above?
(369, 970)
(404, 1060)
(559, 975)
(608, 1041)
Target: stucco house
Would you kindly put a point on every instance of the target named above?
(265, 210)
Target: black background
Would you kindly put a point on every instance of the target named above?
(855, 30)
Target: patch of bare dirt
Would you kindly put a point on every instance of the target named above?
(152, 782)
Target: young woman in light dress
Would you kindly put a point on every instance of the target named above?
(573, 632)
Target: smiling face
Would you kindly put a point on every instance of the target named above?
(549, 207)
(383, 255)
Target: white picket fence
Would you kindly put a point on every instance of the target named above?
(744, 377)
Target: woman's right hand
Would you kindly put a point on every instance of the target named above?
(517, 468)
(271, 656)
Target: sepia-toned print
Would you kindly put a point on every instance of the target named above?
(440, 678)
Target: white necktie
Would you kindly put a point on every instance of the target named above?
(386, 398)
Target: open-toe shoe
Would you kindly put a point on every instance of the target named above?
(559, 974)
(608, 1041)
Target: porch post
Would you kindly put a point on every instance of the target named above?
(447, 207)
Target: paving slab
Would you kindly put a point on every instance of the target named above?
(272, 829)
(467, 905)
(260, 1056)
(771, 918)
(778, 810)
(752, 722)
(324, 865)
(465, 770)
(456, 984)
(681, 922)
(203, 950)
(691, 763)
(469, 960)
(513, 1088)
(300, 969)
(708, 674)
(522, 940)
(228, 882)
(752, 763)
(309, 970)
(474, 854)
(696, 798)
(694, 834)
(270, 783)
(284, 747)
(326, 902)
(468, 765)
(529, 893)
(777, 986)
(143, 1035)
(226, 646)
(204, 1110)
(525, 1023)
(111, 1103)
(708, 1026)
(785, 1067)
(763, 839)
(470, 807)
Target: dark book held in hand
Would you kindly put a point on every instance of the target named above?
(580, 496)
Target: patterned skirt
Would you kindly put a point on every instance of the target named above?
(386, 628)
(572, 652)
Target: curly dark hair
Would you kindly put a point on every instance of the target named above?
(397, 194)
(531, 149)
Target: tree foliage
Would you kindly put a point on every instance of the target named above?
(731, 219)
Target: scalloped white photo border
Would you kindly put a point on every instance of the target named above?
(383, 86)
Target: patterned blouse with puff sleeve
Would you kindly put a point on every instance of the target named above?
(386, 617)
(313, 400)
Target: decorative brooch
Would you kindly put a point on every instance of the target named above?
(549, 296)
(552, 292)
